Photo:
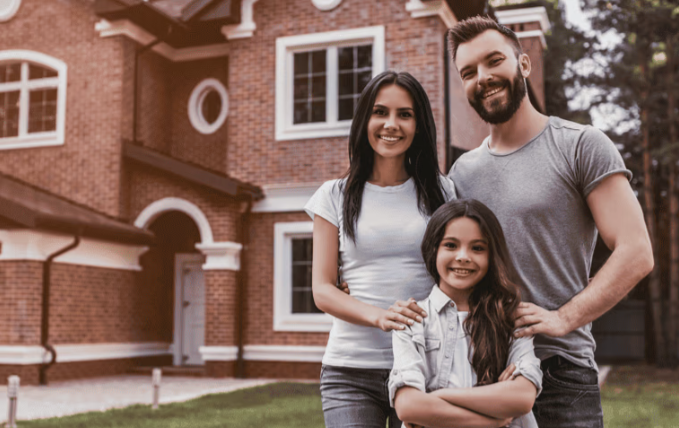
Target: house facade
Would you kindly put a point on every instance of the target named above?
(155, 157)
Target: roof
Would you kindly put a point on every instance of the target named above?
(25, 206)
(191, 172)
(179, 23)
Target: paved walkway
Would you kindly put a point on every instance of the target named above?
(78, 396)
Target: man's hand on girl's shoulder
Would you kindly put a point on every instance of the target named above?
(537, 320)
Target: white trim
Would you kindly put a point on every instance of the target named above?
(419, 9)
(523, 16)
(310, 354)
(36, 139)
(196, 103)
(219, 353)
(23, 244)
(247, 25)
(290, 198)
(10, 10)
(176, 347)
(155, 209)
(287, 46)
(283, 318)
(533, 33)
(221, 255)
(123, 27)
(24, 355)
(326, 5)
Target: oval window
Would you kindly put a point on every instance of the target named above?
(8, 8)
(208, 106)
(326, 4)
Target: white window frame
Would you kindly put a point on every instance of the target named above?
(195, 107)
(286, 47)
(35, 139)
(283, 318)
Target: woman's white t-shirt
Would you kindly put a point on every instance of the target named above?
(384, 265)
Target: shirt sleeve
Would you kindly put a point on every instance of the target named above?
(522, 355)
(448, 188)
(597, 158)
(409, 360)
(326, 202)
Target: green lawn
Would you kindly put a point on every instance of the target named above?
(633, 397)
(281, 405)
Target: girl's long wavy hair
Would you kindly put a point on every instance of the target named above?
(421, 160)
(493, 300)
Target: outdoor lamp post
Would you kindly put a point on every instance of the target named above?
(12, 394)
(156, 387)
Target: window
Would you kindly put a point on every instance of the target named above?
(208, 106)
(326, 4)
(32, 100)
(319, 78)
(8, 8)
(294, 307)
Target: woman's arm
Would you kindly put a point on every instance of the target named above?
(509, 399)
(416, 407)
(331, 299)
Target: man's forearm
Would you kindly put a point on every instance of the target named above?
(626, 266)
(508, 399)
(416, 407)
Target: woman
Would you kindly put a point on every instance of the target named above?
(374, 219)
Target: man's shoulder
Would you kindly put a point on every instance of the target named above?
(468, 160)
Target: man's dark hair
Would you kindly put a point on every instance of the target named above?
(470, 28)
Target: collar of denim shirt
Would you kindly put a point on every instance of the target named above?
(440, 300)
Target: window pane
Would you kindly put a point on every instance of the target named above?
(346, 83)
(365, 56)
(302, 250)
(301, 88)
(318, 87)
(346, 108)
(42, 110)
(10, 72)
(211, 106)
(346, 58)
(318, 111)
(9, 114)
(37, 72)
(318, 61)
(301, 114)
(302, 297)
(363, 79)
(301, 63)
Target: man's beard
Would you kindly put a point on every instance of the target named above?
(501, 114)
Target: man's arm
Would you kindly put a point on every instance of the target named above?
(620, 221)
(416, 407)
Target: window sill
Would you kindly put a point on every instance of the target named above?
(303, 322)
(11, 143)
(307, 132)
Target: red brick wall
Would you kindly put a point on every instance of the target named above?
(533, 47)
(99, 305)
(20, 302)
(86, 168)
(259, 292)
(282, 370)
(220, 308)
(413, 45)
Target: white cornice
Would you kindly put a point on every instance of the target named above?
(247, 25)
(124, 27)
(25, 244)
(523, 16)
(219, 353)
(24, 355)
(310, 354)
(221, 255)
(533, 33)
(420, 9)
(285, 199)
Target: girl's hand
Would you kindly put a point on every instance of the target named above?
(507, 373)
(400, 314)
(344, 287)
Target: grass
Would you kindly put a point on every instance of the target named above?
(641, 397)
(633, 397)
(280, 405)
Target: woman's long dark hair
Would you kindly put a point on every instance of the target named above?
(492, 302)
(421, 158)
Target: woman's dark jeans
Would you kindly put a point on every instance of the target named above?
(355, 398)
(570, 396)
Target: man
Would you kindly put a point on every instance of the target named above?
(552, 183)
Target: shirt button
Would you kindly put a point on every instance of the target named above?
(452, 326)
(447, 355)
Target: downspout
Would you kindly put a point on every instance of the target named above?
(446, 104)
(244, 238)
(44, 321)
(135, 95)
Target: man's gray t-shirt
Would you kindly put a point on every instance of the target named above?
(538, 192)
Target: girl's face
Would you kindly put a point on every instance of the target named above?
(462, 259)
(391, 127)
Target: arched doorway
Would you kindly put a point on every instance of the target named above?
(173, 269)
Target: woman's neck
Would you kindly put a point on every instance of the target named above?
(388, 172)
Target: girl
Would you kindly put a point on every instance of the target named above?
(374, 220)
(461, 366)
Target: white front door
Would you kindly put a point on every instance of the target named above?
(189, 309)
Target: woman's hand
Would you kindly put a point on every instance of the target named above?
(507, 373)
(400, 314)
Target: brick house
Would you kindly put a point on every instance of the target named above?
(154, 160)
